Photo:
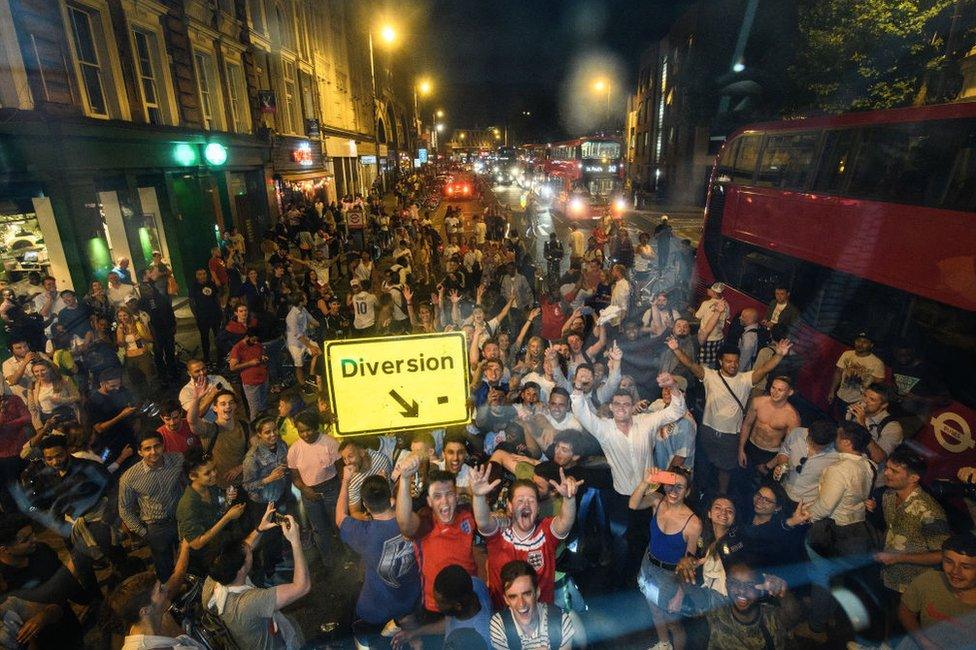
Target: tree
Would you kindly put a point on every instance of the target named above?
(860, 54)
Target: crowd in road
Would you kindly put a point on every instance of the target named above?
(621, 441)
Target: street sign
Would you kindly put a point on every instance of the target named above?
(398, 383)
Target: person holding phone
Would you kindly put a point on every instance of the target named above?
(674, 531)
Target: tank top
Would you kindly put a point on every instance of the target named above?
(667, 548)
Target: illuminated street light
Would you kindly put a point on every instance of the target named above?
(461, 137)
(600, 85)
(738, 67)
(440, 113)
(388, 34)
(440, 128)
(424, 87)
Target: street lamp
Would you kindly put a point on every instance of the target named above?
(440, 113)
(600, 86)
(388, 35)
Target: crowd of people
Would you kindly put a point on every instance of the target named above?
(616, 446)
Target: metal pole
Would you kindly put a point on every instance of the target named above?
(376, 116)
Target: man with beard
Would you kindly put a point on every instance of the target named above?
(636, 362)
(113, 417)
(443, 532)
(583, 379)
(746, 623)
(455, 453)
(521, 535)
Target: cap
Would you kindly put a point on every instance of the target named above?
(355, 283)
(718, 287)
(864, 335)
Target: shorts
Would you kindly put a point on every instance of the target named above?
(757, 455)
(298, 354)
(708, 355)
(721, 449)
(658, 585)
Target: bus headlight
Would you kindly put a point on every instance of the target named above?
(576, 205)
(619, 204)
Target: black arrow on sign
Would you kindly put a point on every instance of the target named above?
(409, 410)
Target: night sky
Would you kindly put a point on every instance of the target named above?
(493, 59)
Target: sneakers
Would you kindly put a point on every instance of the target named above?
(662, 645)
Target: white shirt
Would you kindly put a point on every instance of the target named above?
(844, 487)
(118, 296)
(296, 324)
(363, 272)
(480, 232)
(803, 485)
(21, 387)
(722, 412)
(628, 454)
(705, 311)
(147, 641)
(364, 308)
(777, 310)
(188, 393)
(577, 243)
(620, 297)
(857, 373)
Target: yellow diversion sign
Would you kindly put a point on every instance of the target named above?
(398, 383)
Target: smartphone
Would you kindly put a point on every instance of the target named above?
(662, 477)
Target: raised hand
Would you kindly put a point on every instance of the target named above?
(615, 353)
(567, 485)
(455, 296)
(783, 347)
(235, 511)
(410, 466)
(480, 486)
(672, 342)
(774, 585)
(534, 313)
(666, 380)
(267, 519)
(407, 293)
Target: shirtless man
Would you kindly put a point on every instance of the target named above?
(769, 419)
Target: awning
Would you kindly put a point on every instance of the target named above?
(305, 176)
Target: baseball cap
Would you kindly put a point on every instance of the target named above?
(718, 287)
(355, 283)
(864, 335)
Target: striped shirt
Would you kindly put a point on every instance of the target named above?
(537, 641)
(378, 464)
(148, 495)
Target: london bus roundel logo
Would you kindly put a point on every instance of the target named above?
(953, 432)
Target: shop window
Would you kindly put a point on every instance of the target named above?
(22, 246)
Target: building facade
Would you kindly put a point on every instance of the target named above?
(138, 125)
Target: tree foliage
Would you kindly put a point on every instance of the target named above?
(859, 54)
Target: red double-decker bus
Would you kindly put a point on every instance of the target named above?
(591, 174)
(870, 220)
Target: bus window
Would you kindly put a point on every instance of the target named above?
(745, 161)
(762, 273)
(835, 161)
(787, 160)
(724, 171)
(960, 192)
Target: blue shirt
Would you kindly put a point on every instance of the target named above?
(391, 582)
(480, 621)
(259, 462)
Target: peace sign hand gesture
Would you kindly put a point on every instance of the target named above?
(567, 485)
(480, 486)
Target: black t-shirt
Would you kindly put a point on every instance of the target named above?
(42, 564)
(205, 300)
(101, 408)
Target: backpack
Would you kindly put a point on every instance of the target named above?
(554, 624)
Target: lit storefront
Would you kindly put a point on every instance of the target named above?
(302, 173)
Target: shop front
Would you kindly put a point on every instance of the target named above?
(97, 193)
(302, 173)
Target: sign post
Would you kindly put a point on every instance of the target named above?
(398, 383)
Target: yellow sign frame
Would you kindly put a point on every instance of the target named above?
(390, 401)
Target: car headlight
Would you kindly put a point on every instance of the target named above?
(576, 205)
(619, 205)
